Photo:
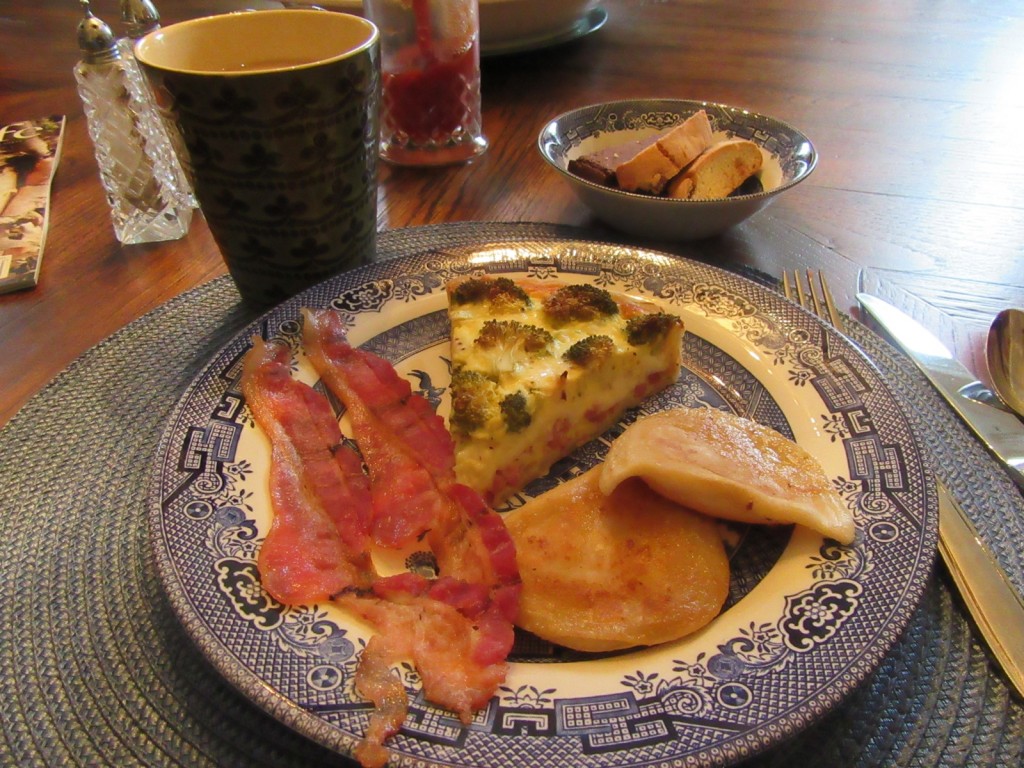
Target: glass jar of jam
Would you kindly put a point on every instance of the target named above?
(430, 77)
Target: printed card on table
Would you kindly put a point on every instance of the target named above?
(29, 152)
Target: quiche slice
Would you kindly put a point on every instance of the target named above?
(541, 367)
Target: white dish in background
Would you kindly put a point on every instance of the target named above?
(790, 157)
(511, 26)
(592, 21)
(806, 620)
(506, 22)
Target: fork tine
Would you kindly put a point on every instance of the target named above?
(815, 304)
(793, 289)
(814, 298)
(800, 295)
(830, 304)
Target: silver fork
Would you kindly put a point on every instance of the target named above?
(823, 307)
(992, 601)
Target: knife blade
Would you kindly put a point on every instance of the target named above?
(999, 431)
(991, 599)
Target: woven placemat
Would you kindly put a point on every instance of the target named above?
(95, 669)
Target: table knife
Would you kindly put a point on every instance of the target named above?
(993, 602)
(1000, 431)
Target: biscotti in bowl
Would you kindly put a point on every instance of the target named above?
(674, 169)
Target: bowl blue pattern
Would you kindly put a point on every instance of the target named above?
(790, 158)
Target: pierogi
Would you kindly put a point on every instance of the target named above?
(608, 572)
(728, 467)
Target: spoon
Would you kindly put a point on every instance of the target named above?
(1005, 352)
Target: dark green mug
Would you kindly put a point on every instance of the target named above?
(274, 115)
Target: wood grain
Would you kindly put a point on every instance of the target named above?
(913, 108)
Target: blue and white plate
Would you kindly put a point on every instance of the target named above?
(806, 620)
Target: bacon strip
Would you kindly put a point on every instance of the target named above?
(318, 542)
(457, 629)
(410, 419)
(494, 540)
(375, 681)
(404, 443)
(411, 459)
(456, 656)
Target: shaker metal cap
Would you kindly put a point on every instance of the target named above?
(95, 38)
(139, 17)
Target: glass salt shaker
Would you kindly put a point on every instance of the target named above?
(145, 205)
(139, 18)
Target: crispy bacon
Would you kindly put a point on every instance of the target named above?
(494, 537)
(454, 632)
(456, 629)
(375, 681)
(411, 459)
(454, 654)
(409, 418)
(318, 542)
(403, 442)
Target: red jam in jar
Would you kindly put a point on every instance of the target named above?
(428, 101)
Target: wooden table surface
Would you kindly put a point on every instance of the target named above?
(912, 106)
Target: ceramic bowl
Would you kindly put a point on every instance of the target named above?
(789, 159)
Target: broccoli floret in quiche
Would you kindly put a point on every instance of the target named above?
(510, 344)
(514, 411)
(501, 294)
(589, 351)
(579, 303)
(646, 329)
(513, 334)
(474, 400)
